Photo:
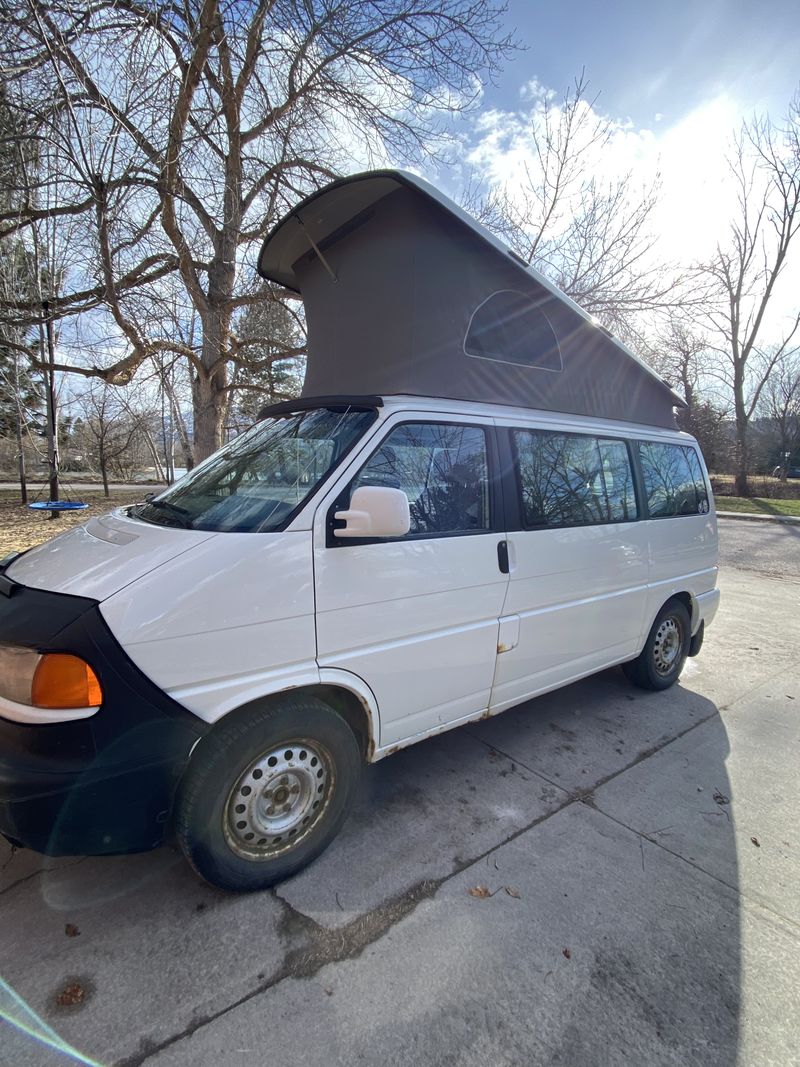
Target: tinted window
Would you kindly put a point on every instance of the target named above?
(442, 469)
(699, 481)
(573, 479)
(510, 328)
(257, 481)
(673, 480)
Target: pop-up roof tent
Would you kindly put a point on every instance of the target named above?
(406, 293)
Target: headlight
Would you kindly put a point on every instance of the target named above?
(48, 679)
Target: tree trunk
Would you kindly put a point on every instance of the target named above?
(23, 484)
(688, 392)
(742, 457)
(209, 415)
(153, 450)
(52, 416)
(103, 469)
(180, 426)
(166, 434)
(209, 394)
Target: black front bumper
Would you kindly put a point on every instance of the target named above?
(105, 784)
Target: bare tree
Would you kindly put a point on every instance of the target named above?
(111, 427)
(745, 270)
(178, 133)
(20, 386)
(678, 354)
(588, 235)
(781, 406)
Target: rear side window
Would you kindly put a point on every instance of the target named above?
(443, 470)
(573, 479)
(673, 480)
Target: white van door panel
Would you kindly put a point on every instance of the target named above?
(578, 558)
(683, 556)
(416, 618)
(682, 530)
(418, 621)
(580, 596)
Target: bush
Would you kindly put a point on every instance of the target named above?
(760, 486)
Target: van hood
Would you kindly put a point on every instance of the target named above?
(104, 555)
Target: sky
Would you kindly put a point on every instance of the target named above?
(675, 78)
(655, 62)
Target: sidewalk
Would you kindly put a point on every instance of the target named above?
(789, 520)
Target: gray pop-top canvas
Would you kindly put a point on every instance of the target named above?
(405, 293)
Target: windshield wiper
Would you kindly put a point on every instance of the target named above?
(179, 513)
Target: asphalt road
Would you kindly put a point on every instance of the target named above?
(602, 876)
(761, 547)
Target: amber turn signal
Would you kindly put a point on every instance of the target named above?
(64, 681)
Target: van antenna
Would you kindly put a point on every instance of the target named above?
(314, 245)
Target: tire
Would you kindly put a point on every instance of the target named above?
(659, 664)
(266, 793)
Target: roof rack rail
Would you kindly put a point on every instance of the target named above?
(308, 403)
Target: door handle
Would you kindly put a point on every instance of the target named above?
(502, 556)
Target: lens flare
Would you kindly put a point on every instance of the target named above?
(17, 1013)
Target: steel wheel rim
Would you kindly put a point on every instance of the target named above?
(667, 645)
(279, 799)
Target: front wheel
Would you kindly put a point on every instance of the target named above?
(659, 664)
(265, 793)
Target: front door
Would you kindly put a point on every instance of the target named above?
(417, 617)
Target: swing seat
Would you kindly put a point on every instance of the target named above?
(58, 505)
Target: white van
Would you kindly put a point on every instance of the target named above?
(353, 574)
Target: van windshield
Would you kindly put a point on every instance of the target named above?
(257, 482)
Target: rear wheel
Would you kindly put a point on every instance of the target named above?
(265, 793)
(661, 661)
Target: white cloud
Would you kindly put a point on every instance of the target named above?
(697, 195)
(689, 155)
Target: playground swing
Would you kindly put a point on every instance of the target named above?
(53, 506)
(57, 505)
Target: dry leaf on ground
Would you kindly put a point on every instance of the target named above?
(72, 994)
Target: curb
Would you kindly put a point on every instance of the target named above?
(786, 520)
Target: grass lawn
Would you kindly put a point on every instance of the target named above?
(22, 528)
(757, 505)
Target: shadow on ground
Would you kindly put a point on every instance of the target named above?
(622, 933)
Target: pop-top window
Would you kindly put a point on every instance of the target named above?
(510, 328)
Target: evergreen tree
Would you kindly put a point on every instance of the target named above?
(271, 365)
(21, 387)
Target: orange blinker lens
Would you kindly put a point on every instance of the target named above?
(63, 681)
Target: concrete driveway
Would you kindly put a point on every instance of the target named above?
(602, 876)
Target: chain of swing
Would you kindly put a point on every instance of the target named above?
(55, 504)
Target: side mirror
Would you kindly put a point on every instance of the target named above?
(375, 511)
